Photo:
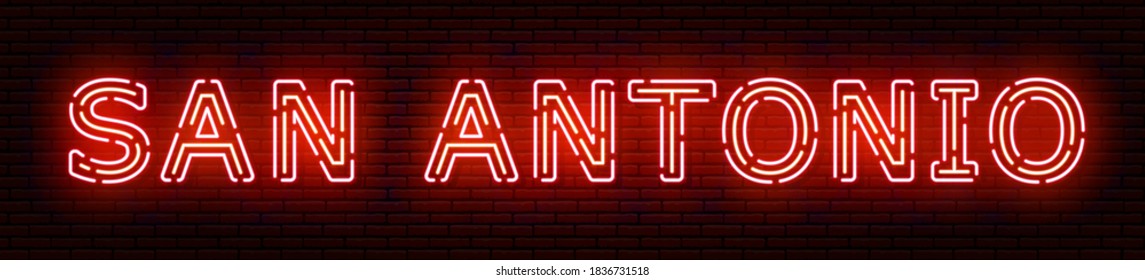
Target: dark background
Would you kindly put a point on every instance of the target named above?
(405, 60)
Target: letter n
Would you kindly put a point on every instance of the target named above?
(329, 139)
(592, 139)
(856, 112)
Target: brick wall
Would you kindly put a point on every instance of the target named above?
(405, 60)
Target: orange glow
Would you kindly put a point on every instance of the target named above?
(331, 139)
(107, 129)
(593, 142)
(207, 129)
(471, 129)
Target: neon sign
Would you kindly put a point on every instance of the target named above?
(562, 123)
(208, 130)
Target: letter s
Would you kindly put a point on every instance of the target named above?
(91, 164)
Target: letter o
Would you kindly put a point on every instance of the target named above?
(1071, 141)
(804, 138)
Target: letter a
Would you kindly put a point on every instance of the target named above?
(207, 129)
(471, 129)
